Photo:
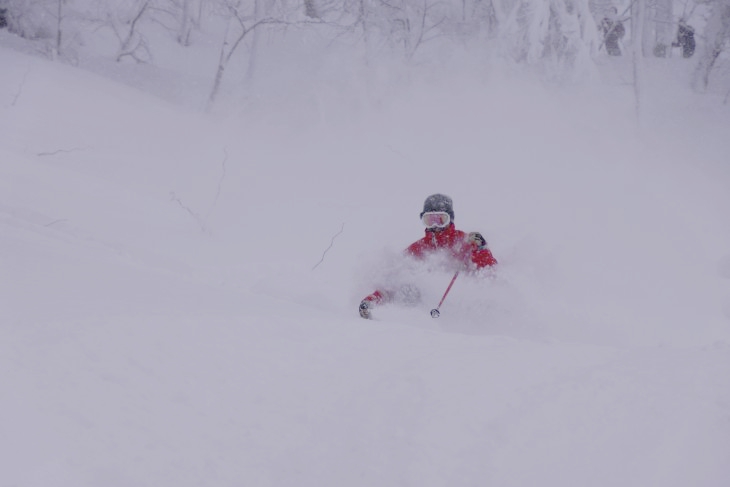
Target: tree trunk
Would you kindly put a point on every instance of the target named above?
(127, 48)
(255, 41)
(183, 36)
(638, 16)
(310, 9)
(58, 28)
(216, 85)
(222, 61)
(665, 27)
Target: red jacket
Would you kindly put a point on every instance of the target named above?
(466, 253)
(457, 243)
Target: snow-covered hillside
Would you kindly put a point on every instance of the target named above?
(178, 301)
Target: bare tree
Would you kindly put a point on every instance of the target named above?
(238, 26)
(187, 19)
(428, 21)
(183, 36)
(402, 24)
(131, 41)
(255, 42)
(310, 9)
(59, 30)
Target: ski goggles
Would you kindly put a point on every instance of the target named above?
(438, 219)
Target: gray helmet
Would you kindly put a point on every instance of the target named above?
(439, 202)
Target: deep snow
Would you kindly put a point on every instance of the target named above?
(179, 291)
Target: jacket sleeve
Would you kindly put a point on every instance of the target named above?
(480, 256)
(483, 258)
(415, 249)
(379, 297)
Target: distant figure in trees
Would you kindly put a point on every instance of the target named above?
(3, 18)
(613, 31)
(685, 38)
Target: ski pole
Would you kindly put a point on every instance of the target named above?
(435, 313)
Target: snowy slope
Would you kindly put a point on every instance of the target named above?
(172, 313)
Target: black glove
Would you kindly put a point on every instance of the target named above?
(364, 309)
(477, 239)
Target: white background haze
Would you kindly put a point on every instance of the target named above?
(179, 291)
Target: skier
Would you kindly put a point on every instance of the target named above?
(466, 251)
(613, 31)
(685, 38)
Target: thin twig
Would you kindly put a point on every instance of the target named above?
(20, 89)
(125, 49)
(328, 248)
(41, 154)
(220, 183)
(201, 222)
(397, 152)
(55, 221)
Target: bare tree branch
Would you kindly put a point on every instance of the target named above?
(55, 221)
(42, 154)
(225, 57)
(328, 248)
(220, 184)
(20, 89)
(198, 218)
(126, 48)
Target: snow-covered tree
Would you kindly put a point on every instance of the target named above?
(717, 38)
(40, 20)
(664, 26)
(555, 33)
